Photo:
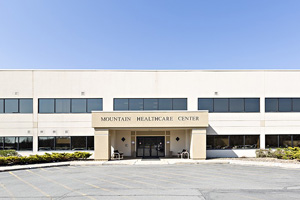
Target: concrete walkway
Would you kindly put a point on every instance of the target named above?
(165, 161)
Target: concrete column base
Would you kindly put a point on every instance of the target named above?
(198, 144)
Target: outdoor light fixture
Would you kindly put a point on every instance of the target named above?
(168, 142)
(132, 142)
(177, 139)
(123, 139)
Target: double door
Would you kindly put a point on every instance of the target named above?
(150, 147)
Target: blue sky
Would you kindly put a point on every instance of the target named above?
(150, 34)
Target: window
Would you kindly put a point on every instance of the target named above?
(11, 106)
(78, 105)
(1, 105)
(10, 143)
(25, 143)
(26, 106)
(232, 142)
(282, 104)
(78, 142)
(46, 143)
(121, 104)
(62, 143)
(151, 104)
(271, 141)
(16, 143)
(165, 104)
(136, 104)
(296, 140)
(206, 104)
(229, 104)
(62, 105)
(236, 105)
(94, 105)
(285, 141)
(179, 104)
(69, 105)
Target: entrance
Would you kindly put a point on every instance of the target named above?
(150, 147)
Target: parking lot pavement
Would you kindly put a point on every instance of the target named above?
(213, 181)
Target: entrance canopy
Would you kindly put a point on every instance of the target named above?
(170, 131)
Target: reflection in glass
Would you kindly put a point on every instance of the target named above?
(25, 143)
(94, 105)
(90, 142)
(26, 106)
(210, 142)
(46, 143)
(285, 141)
(165, 104)
(46, 105)
(10, 143)
(62, 105)
(1, 143)
(271, 141)
(296, 140)
(206, 104)
(11, 106)
(236, 141)
(78, 142)
(63, 143)
(121, 104)
(150, 104)
(252, 142)
(136, 104)
(236, 105)
(180, 104)
(221, 142)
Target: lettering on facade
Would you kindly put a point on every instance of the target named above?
(150, 119)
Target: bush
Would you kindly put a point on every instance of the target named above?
(289, 153)
(46, 158)
(6, 153)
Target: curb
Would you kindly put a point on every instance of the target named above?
(34, 166)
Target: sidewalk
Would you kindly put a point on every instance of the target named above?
(164, 161)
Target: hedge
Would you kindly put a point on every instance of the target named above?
(6, 153)
(289, 153)
(46, 158)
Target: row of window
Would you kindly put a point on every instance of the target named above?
(232, 142)
(16, 105)
(69, 105)
(61, 143)
(16, 143)
(150, 104)
(282, 141)
(229, 104)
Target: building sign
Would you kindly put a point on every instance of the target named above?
(149, 119)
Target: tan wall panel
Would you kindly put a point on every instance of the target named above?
(198, 148)
(101, 140)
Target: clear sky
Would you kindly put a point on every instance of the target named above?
(150, 34)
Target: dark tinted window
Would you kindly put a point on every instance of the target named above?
(236, 105)
(63, 143)
(296, 140)
(271, 105)
(236, 141)
(90, 142)
(165, 104)
(136, 104)
(210, 142)
(252, 142)
(179, 104)
(1, 143)
(25, 143)
(206, 104)
(296, 105)
(78, 142)
(271, 141)
(62, 105)
(94, 105)
(221, 142)
(1, 106)
(46, 143)
(10, 143)
(285, 141)
(285, 105)
(26, 106)
(78, 105)
(121, 104)
(11, 106)
(150, 104)
(46, 105)
(252, 105)
(221, 105)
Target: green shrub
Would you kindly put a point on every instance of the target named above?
(6, 153)
(289, 153)
(46, 158)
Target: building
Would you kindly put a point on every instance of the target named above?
(211, 113)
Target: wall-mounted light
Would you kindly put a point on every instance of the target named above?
(216, 93)
(82, 93)
(177, 139)
(123, 139)
(132, 142)
(168, 142)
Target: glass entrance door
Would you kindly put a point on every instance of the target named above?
(148, 147)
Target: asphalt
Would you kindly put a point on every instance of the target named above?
(166, 181)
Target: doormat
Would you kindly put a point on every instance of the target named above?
(150, 159)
